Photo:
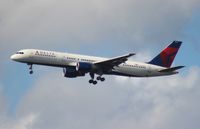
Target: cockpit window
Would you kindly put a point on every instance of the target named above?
(20, 53)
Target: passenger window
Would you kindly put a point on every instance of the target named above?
(20, 53)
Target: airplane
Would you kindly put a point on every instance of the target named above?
(75, 65)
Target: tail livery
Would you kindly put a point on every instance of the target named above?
(166, 57)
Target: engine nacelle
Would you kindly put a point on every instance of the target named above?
(84, 66)
(71, 72)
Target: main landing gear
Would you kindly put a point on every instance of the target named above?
(30, 68)
(99, 78)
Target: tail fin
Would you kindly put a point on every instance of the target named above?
(166, 57)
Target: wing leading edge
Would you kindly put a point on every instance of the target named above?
(110, 63)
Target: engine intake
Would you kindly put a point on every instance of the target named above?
(71, 72)
(84, 66)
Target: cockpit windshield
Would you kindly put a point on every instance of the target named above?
(20, 53)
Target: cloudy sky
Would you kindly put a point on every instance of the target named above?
(46, 100)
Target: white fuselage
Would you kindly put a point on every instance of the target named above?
(58, 59)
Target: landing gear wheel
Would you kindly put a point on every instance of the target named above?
(99, 78)
(91, 81)
(30, 68)
(94, 82)
(102, 79)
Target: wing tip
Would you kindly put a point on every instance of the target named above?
(132, 54)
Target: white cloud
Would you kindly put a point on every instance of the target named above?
(8, 121)
(55, 102)
(80, 26)
(25, 122)
(166, 102)
(60, 23)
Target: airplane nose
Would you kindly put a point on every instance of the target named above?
(13, 57)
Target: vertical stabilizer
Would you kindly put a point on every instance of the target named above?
(166, 57)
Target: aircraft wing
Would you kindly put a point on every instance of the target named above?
(110, 63)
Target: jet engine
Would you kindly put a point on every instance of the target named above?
(84, 66)
(71, 72)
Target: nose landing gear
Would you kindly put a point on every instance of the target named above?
(30, 68)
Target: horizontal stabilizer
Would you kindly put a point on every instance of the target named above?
(171, 69)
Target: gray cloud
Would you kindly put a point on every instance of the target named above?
(61, 23)
(154, 103)
(55, 102)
